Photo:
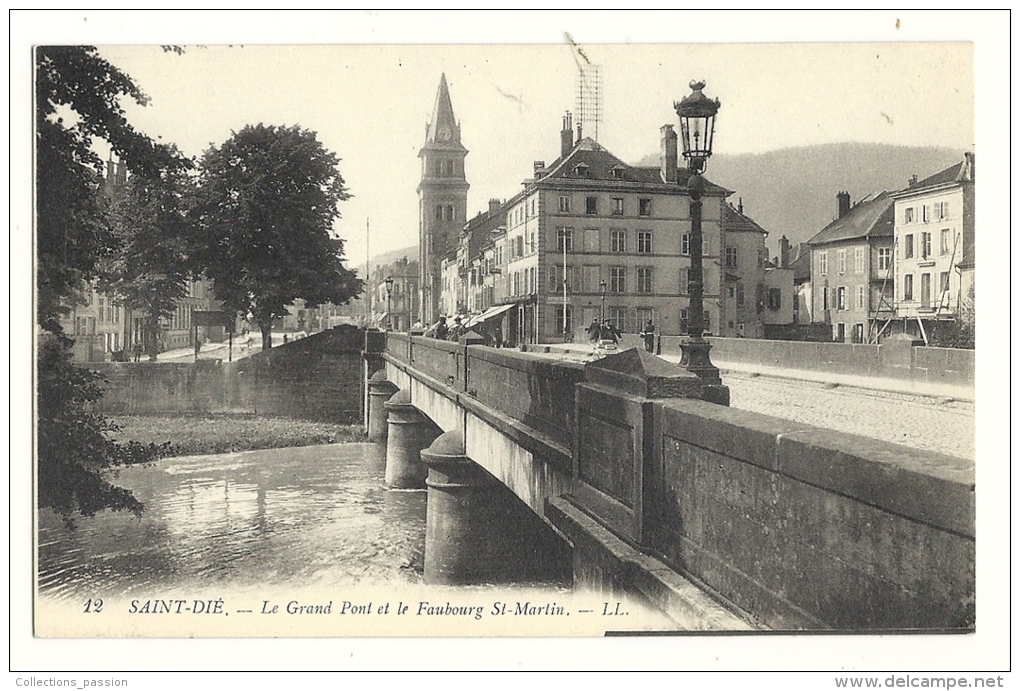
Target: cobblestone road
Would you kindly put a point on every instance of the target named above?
(917, 421)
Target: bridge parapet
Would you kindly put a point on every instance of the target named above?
(792, 526)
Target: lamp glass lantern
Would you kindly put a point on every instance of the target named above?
(389, 291)
(697, 126)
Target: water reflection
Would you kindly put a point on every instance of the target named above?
(309, 517)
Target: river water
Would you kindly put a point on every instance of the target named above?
(286, 542)
(315, 516)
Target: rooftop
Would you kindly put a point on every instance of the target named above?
(870, 218)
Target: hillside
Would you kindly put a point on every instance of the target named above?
(792, 192)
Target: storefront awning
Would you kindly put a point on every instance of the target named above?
(488, 314)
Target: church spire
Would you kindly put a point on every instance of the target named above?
(444, 127)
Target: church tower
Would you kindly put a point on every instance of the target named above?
(442, 199)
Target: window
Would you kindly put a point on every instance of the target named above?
(581, 170)
(908, 214)
(617, 279)
(569, 318)
(644, 279)
(925, 245)
(761, 257)
(564, 237)
(618, 240)
(618, 316)
(531, 242)
(564, 206)
(925, 213)
(683, 321)
(908, 246)
(644, 241)
(942, 210)
(823, 263)
(775, 299)
(450, 216)
(685, 244)
(591, 240)
(884, 258)
(645, 315)
(944, 241)
(684, 279)
(590, 276)
(556, 279)
(858, 260)
(617, 206)
(439, 212)
(731, 257)
(860, 297)
(645, 207)
(841, 298)
(943, 283)
(740, 295)
(591, 205)
(908, 287)
(731, 291)
(825, 298)
(841, 262)
(925, 290)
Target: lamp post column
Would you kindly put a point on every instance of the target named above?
(695, 348)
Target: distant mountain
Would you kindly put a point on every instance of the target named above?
(792, 192)
(383, 259)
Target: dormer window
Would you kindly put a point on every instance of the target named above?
(617, 172)
(581, 170)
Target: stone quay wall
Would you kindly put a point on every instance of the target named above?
(315, 378)
(918, 365)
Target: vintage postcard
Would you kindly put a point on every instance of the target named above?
(349, 338)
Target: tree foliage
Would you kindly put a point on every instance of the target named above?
(77, 99)
(75, 450)
(267, 200)
(78, 96)
(151, 227)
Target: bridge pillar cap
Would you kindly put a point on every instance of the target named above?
(447, 445)
(401, 397)
(379, 375)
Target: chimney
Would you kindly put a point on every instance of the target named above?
(493, 206)
(967, 171)
(567, 135)
(843, 198)
(912, 181)
(740, 204)
(667, 155)
(539, 167)
(784, 253)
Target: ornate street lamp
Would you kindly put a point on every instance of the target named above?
(389, 291)
(697, 125)
(602, 312)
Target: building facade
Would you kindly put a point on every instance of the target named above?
(442, 199)
(852, 271)
(934, 236)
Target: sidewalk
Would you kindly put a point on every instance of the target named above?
(936, 390)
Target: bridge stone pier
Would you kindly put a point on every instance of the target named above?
(722, 519)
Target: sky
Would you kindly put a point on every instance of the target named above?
(370, 104)
(511, 77)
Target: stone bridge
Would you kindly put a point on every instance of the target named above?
(722, 519)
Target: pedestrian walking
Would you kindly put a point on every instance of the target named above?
(648, 335)
(594, 330)
(442, 329)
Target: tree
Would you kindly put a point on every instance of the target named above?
(150, 269)
(77, 98)
(267, 200)
(75, 450)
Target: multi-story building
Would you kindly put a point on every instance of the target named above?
(618, 237)
(934, 234)
(442, 199)
(397, 305)
(852, 269)
(744, 259)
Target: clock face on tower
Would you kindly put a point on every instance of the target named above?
(444, 134)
